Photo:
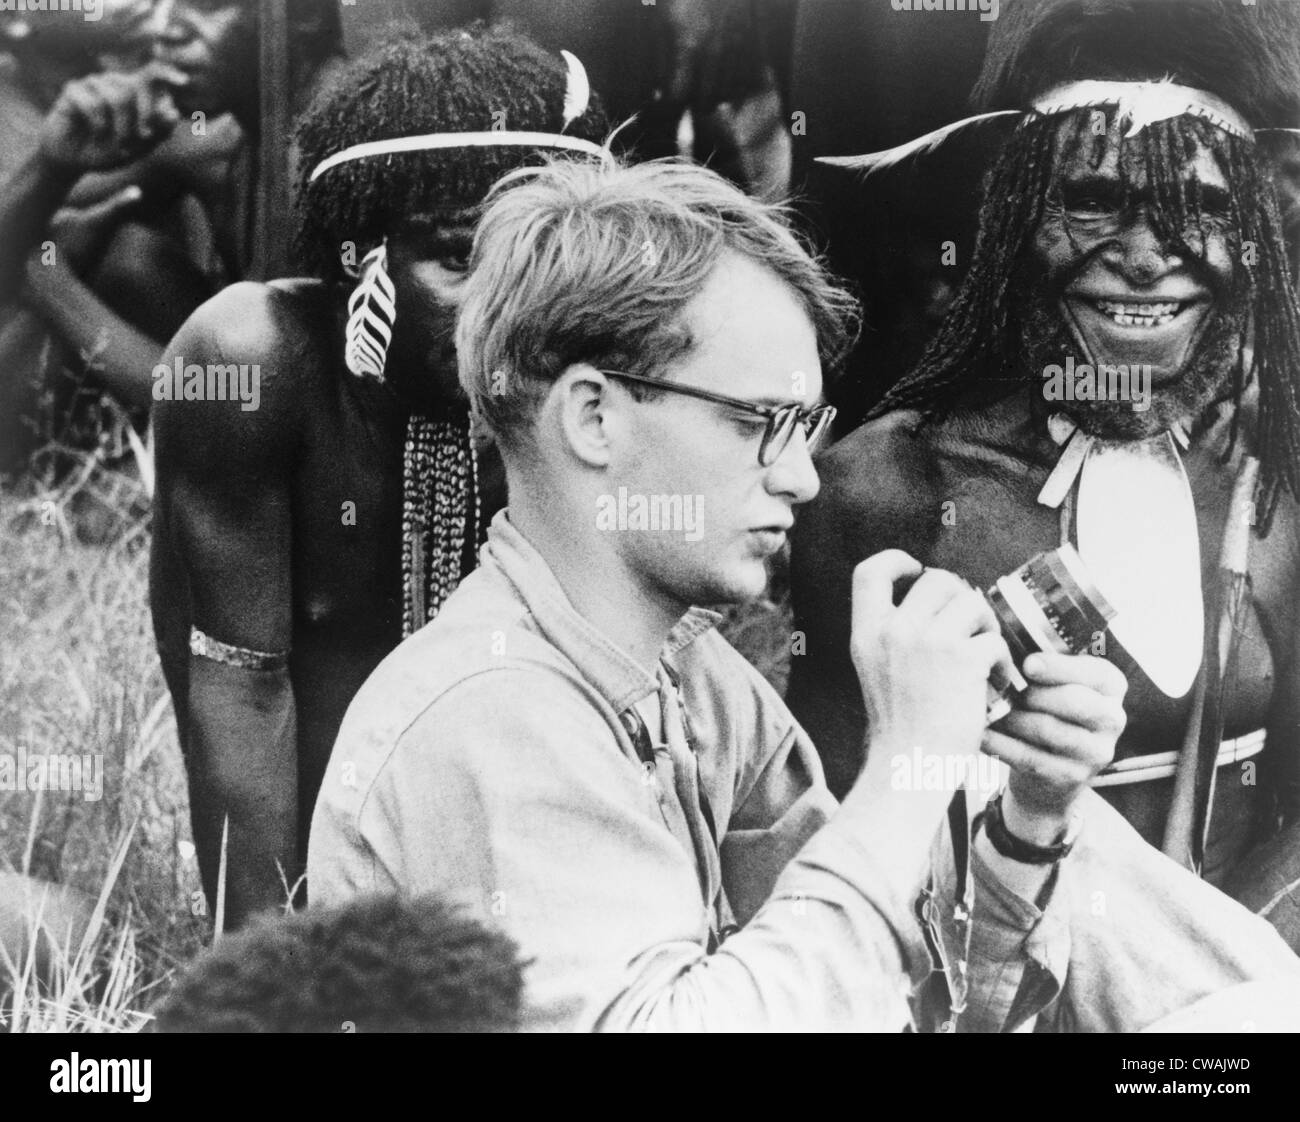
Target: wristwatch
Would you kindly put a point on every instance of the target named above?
(1017, 849)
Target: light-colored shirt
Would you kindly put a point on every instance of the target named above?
(492, 758)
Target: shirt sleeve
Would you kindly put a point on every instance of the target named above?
(1123, 940)
(1019, 950)
(546, 827)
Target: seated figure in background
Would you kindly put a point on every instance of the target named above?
(300, 532)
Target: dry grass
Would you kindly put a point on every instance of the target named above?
(79, 674)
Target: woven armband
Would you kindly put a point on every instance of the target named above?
(204, 646)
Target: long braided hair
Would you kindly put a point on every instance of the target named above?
(973, 356)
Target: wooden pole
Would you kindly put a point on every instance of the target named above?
(274, 199)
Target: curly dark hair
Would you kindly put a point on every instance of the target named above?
(472, 79)
(375, 964)
(1248, 54)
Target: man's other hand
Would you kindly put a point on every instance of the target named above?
(1062, 732)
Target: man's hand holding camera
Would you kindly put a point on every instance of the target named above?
(1062, 732)
(924, 660)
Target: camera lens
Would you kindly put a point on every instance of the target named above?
(1049, 604)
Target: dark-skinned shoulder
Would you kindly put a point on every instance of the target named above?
(878, 489)
(877, 492)
(283, 331)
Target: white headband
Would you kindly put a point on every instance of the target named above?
(458, 140)
(577, 95)
(1144, 103)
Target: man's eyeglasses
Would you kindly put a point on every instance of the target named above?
(781, 419)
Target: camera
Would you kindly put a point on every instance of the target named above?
(1048, 604)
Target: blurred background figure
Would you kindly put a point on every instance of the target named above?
(137, 187)
(867, 78)
(39, 56)
(707, 80)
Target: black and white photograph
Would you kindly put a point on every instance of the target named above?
(729, 516)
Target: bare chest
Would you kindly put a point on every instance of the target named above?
(347, 523)
(987, 521)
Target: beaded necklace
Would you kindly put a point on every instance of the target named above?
(440, 489)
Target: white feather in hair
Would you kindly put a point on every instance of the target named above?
(371, 313)
(577, 89)
(877, 162)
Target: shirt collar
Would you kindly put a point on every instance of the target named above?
(620, 679)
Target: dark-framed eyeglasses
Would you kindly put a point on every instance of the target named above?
(781, 419)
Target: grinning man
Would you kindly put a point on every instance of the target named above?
(296, 543)
(1130, 219)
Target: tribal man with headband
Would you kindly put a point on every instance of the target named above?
(298, 541)
(1119, 370)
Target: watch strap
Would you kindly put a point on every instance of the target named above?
(1015, 848)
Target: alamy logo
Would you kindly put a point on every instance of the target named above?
(214, 382)
(1102, 382)
(45, 771)
(932, 771)
(988, 9)
(131, 1077)
(92, 11)
(663, 514)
